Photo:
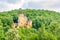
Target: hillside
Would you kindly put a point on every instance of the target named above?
(45, 25)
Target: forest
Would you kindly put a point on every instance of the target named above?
(45, 25)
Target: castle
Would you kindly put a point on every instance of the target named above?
(22, 22)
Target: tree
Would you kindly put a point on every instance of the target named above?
(2, 34)
(12, 35)
(44, 35)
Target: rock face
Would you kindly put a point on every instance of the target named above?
(22, 22)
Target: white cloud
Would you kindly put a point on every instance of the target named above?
(41, 4)
(44, 4)
(50, 3)
(10, 6)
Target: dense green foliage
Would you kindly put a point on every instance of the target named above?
(46, 25)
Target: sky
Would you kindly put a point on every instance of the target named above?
(7, 5)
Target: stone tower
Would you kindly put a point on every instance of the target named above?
(22, 19)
